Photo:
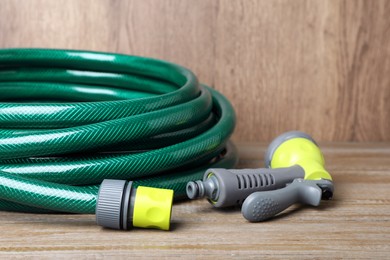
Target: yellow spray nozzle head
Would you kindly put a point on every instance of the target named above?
(152, 208)
(297, 148)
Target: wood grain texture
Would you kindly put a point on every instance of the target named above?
(354, 225)
(318, 66)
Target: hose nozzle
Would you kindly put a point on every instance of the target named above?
(201, 189)
(295, 173)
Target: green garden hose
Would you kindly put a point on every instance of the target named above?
(70, 119)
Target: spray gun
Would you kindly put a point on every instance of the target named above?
(295, 173)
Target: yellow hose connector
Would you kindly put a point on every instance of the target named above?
(121, 206)
(152, 208)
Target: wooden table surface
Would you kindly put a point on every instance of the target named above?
(355, 224)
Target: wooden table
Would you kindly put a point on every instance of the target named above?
(355, 224)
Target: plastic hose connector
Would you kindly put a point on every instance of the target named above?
(122, 206)
(152, 208)
(109, 206)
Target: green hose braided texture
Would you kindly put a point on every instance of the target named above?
(70, 119)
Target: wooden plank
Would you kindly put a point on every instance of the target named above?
(317, 66)
(179, 31)
(355, 224)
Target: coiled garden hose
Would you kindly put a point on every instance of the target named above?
(70, 119)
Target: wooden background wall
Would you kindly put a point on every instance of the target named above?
(319, 66)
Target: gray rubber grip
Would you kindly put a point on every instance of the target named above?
(234, 186)
(260, 206)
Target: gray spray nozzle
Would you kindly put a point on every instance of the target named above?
(261, 206)
(226, 188)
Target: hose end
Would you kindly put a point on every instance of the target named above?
(121, 206)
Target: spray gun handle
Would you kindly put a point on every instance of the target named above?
(260, 206)
(231, 187)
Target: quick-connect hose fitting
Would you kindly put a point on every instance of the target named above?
(225, 188)
(199, 189)
(122, 206)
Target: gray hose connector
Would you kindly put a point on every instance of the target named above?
(111, 209)
(120, 205)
